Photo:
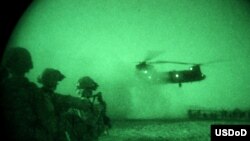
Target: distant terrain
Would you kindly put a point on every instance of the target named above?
(162, 130)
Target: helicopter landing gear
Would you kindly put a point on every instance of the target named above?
(180, 84)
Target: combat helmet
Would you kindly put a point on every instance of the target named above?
(50, 77)
(87, 83)
(17, 60)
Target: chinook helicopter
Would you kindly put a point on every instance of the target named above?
(146, 70)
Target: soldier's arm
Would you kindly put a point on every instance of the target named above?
(65, 102)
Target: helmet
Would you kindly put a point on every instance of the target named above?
(87, 83)
(50, 76)
(17, 60)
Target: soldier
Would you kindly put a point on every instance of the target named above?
(48, 115)
(86, 87)
(87, 125)
(53, 105)
(18, 96)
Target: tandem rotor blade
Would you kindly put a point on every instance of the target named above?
(213, 62)
(171, 62)
(152, 54)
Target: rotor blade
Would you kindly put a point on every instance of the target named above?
(171, 62)
(213, 62)
(152, 54)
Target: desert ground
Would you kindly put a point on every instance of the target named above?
(162, 130)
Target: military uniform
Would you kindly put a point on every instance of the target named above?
(54, 105)
(19, 97)
(86, 124)
(80, 123)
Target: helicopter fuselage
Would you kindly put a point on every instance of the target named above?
(179, 77)
(191, 75)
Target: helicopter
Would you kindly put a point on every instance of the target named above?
(146, 70)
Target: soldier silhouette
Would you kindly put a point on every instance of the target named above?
(86, 125)
(49, 116)
(18, 96)
(53, 105)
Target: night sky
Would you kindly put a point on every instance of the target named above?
(105, 39)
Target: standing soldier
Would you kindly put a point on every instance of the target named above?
(53, 105)
(86, 86)
(86, 125)
(48, 115)
(19, 96)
